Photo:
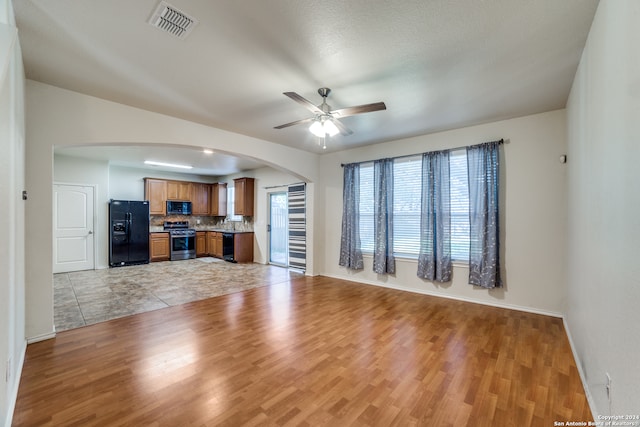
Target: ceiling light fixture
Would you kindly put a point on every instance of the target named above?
(207, 151)
(322, 127)
(169, 165)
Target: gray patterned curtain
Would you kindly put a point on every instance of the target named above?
(484, 251)
(434, 259)
(383, 259)
(350, 253)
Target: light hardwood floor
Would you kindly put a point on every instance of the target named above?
(312, 352)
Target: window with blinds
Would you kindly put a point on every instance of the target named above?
(407, 202)
(231, 205)
(366, 207)
(459, 188)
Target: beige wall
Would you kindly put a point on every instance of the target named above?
(12, 216)
(533, 218)
(604, 209)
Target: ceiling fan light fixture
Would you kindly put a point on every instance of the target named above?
(330, 128)
(323, 127)
(317, 129)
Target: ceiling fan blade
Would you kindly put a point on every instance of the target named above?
(297, 122)
(366, 108)
(342, 128)
(305, 103)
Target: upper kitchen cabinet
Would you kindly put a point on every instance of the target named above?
(155, 191)
(200, 198)
(179, 190)
(218, 199)
(243, 196)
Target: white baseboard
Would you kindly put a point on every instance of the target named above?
(13, 392)
(583, 377)
(41, 337)
(453, 297)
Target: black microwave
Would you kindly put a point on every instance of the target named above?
(178, 208)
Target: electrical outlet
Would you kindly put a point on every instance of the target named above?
(608, 386)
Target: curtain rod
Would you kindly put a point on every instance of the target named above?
(283, 185)
(500, 141)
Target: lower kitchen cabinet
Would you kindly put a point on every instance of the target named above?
(201, 244)
(243, 247)
(214, 244)
(159, 249)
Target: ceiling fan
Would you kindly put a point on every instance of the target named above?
(325, 121)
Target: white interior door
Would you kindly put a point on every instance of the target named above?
(73, 237)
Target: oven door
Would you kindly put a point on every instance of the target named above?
(183, 247)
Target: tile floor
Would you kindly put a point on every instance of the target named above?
(87, 297)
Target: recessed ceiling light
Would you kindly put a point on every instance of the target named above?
(170, 165)
(207, 151)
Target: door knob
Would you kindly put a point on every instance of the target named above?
(90, 232)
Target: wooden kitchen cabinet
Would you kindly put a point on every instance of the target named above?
(243, 196)
(179, 190)
(214, 244)
(201, 244)
(243, 247)
(200, 198)
(218, 199)
(159, 249)
(155, 191)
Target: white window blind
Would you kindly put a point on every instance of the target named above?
(407, 203)
(407, 184)
(366, 207)
(459, 188)
(231, 205)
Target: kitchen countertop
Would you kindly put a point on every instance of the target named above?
(222, 230)
(160, 229)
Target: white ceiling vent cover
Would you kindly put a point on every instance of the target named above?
(170, 19)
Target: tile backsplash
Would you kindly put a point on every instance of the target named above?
(205, 222)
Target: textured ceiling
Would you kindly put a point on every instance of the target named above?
(437, 64)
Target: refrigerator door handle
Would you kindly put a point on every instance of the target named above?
(128, 225)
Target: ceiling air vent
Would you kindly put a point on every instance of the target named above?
(172, 20)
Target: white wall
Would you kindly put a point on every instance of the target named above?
(533, 218)
(128, 183)
(604, 209)
(58, 117)
(12, 217)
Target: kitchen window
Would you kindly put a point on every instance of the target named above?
(407, 191)
(231, 204)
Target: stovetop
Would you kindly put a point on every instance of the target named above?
(179, 228)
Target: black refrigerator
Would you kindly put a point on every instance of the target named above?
(128, 232)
